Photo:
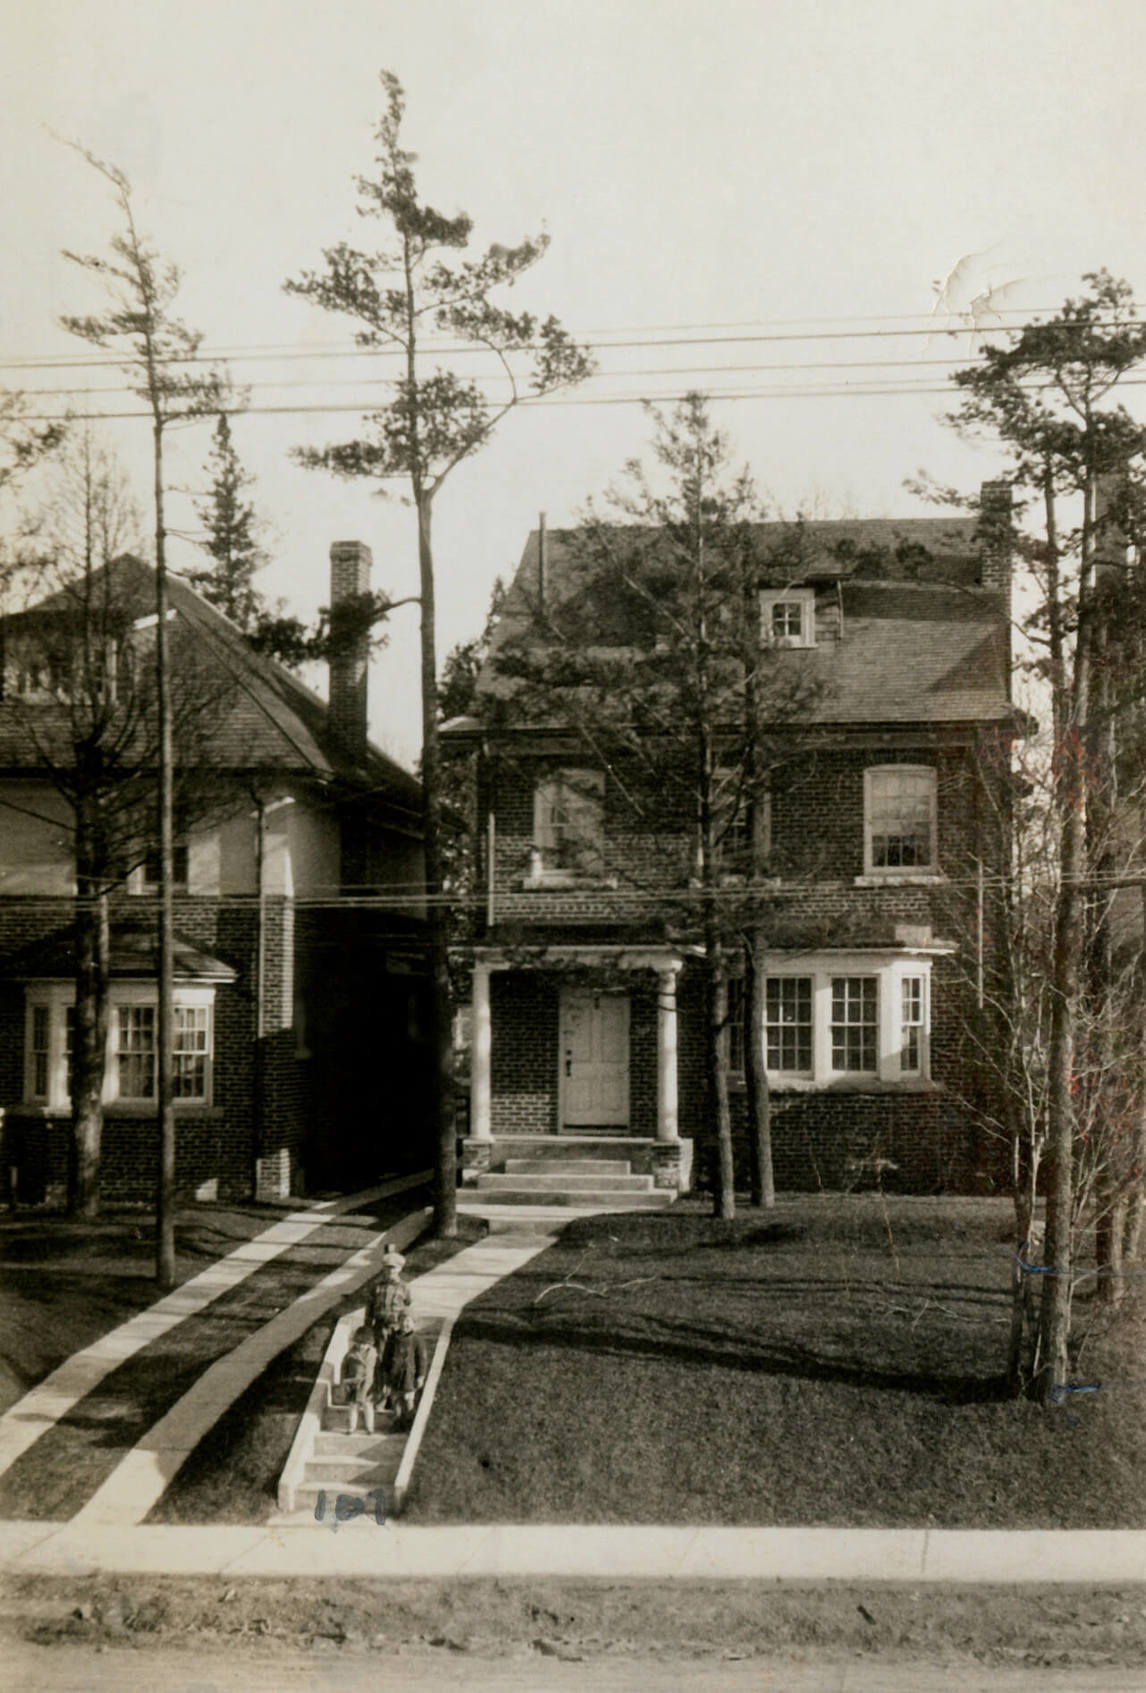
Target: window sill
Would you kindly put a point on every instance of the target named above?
(115, 1108)
(857, 1084)
(862, 1084)
(557, 879)
(900, 879)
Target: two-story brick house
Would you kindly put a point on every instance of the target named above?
(299, 966)
(886, 850)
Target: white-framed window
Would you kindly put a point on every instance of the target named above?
(131, 1050)
(569, 824)
(855, 1025)
(900, 820)
(912, 1023)
(788, 1025)
(839, 1019)
(788, 617)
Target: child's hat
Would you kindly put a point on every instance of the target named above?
(391, 1257)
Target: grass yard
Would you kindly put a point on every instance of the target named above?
(63, 1284)
(836, 1361)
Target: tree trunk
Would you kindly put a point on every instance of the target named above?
(724, 1199)
(442, 1089)
(89, 1034)
(756, 1073)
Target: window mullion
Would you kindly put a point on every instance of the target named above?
(821, 1027)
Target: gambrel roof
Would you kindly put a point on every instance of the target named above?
(908, 634)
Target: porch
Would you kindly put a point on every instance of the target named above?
(574, 1063)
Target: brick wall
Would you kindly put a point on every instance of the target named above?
(524, 1009)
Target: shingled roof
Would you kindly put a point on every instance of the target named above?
(916, 637)
(267, 720)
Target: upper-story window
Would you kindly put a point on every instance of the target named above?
(900, 820)
(733, 823)
(569, 824)
(788, 617)
(149, 876)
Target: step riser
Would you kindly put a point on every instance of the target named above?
(349, 1469)
(307, 1494)
(596, 1201)
(567, 1167)
(352, 1446)
(574, 1184)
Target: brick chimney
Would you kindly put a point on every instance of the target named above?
(995, 537)
(349, 577)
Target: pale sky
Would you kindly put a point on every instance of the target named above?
(754, 173)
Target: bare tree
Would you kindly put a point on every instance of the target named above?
(159, 353)
(1047, 395)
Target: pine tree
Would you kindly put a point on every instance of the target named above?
(232, 530)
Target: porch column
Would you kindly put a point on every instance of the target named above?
(481, 1039)
(667, 1129)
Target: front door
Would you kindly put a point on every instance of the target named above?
(595, 1060)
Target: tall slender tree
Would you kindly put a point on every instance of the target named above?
(231, 526)
(1048, 396)
(159, 354)
(430, 421)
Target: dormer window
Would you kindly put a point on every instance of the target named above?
(788, 617)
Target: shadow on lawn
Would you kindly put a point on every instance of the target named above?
(691, 1343)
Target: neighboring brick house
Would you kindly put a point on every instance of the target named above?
(888, 846)
(299, 963)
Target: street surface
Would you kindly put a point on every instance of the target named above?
(70, 1669)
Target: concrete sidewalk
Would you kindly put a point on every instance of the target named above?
(44, 1405)
(362, 1548)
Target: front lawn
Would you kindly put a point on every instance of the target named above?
(836, 1361)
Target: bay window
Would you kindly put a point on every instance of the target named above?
(131, 1070)
(847, 1019)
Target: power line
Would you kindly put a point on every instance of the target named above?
(261, 352)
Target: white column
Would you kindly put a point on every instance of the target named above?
(667, 1129)
(481, 1039)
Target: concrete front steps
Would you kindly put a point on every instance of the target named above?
(345, 1463)
(598, 1184)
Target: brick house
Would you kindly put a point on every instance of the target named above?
(887, 845)
(299, 966)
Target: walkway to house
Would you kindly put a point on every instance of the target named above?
(44, 1405)
(139, 1481)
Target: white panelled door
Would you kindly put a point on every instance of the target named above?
(595, 1060)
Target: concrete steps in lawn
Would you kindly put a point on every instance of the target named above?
(596, 1184)
(345, 1463)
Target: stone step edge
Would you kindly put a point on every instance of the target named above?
(592, 1200)
(560, 1183)
(567, 1167)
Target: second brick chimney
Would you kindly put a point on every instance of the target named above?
(349, 578)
